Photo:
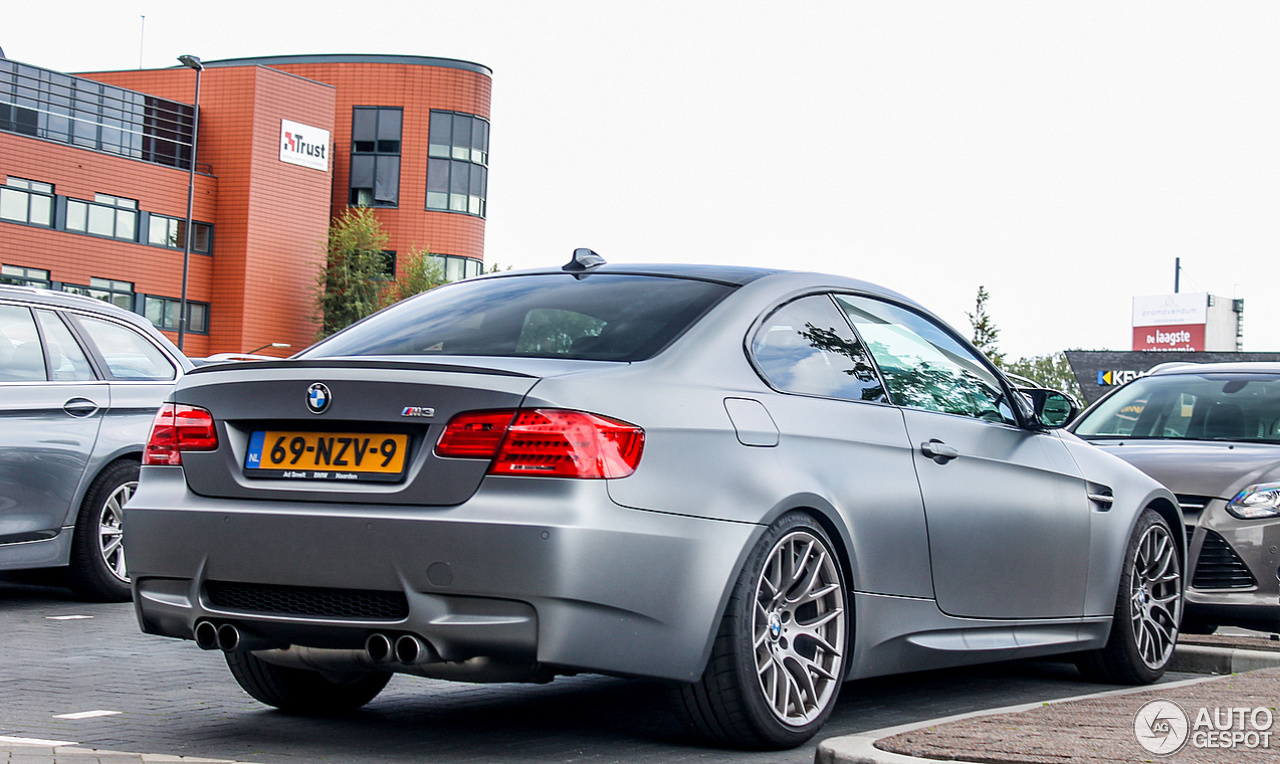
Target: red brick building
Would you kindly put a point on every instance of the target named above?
(96, 169)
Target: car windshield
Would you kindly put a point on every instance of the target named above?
(1209, 406)
(595, 317)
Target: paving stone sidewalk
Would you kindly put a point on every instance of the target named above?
(1105, 729)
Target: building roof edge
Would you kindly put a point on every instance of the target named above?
(354, 58)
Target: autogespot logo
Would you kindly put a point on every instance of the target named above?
(1161, 727)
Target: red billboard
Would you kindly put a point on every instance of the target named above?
(1174, 337)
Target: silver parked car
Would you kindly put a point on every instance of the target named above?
(754, 484)
(80, 383)
(1211, 434)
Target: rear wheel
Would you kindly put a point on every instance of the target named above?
(98, 569)
(301, 691)
(1148, 609)
(779, 657)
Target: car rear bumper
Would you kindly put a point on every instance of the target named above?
(532, 569)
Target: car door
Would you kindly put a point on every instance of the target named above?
(841, 432)
(1006, 508)
(50, 414)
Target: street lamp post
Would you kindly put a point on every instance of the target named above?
(194, 63)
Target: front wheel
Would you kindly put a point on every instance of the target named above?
(98, 570)
(302, 691)
(1148, 609)
(779, 656)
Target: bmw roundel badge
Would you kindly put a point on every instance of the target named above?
(318, 397)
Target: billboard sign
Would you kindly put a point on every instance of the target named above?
(1170, 321)
(304, 145)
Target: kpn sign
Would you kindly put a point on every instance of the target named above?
(304, 145)
(1170, 321)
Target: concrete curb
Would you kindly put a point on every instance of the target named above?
(1198, 659)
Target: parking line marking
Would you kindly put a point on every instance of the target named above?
(66, 617)
(86, 714)
(36, 741)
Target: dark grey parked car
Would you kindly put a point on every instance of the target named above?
(1211, 434)
(754, 484)
(80, 382)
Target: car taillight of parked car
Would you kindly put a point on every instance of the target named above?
(544, 443)
(177, 428)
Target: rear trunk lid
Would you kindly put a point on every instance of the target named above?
(349, 430)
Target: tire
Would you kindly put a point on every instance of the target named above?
(301, 691)
(98, 569)
(1148, 609)
(778, 659)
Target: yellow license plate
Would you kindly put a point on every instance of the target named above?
(326, 455)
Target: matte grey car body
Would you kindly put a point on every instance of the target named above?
(1211, 434)
(80, 382)
(807, 506)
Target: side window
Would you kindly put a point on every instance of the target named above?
(806, 347)
(21, 357)
(128, 355)
(67, 362)
(923, 366)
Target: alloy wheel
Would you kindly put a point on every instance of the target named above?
(110, 533)
(799, 628)
(1156, 596)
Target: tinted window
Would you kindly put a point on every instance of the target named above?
(1191, 407)
(600, 317)
(21, 357)
(807, 347)
(924, 366)
(66, 359)
(128, 355)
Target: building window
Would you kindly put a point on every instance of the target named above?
(457, 167)
(91, 115)
(27, 201)
(163, 312)
(457, 268)
(375, 156)
(164, 231)
(118, 293)
(24, 276)
(110, 216)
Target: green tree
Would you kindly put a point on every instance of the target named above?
(985, 333)
(1052, 371)
(419, 272)
(351, 284)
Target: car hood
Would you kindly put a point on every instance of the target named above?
(1200, 468)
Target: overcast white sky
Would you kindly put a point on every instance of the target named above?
(1062, 154)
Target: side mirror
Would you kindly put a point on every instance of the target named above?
(1052, 408)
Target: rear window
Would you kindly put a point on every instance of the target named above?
(602, 316)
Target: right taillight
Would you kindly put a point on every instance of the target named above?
(545, 443)
(177, 428)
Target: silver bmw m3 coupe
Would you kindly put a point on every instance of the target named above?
(753, 484)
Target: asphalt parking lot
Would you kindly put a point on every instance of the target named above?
(59, 656)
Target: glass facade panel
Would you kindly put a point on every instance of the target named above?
(457, 173)
(375, 156)
(59, 107)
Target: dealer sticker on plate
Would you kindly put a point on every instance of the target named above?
(352, 456)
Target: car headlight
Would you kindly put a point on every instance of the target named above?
(1256, 502)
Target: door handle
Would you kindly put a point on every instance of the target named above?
(80, 407)
(938, 451)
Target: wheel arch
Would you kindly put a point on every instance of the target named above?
(91, 476)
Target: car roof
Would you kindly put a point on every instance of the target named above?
(736, 275)
(1235, 367)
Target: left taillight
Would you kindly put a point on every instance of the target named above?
(177, 428)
